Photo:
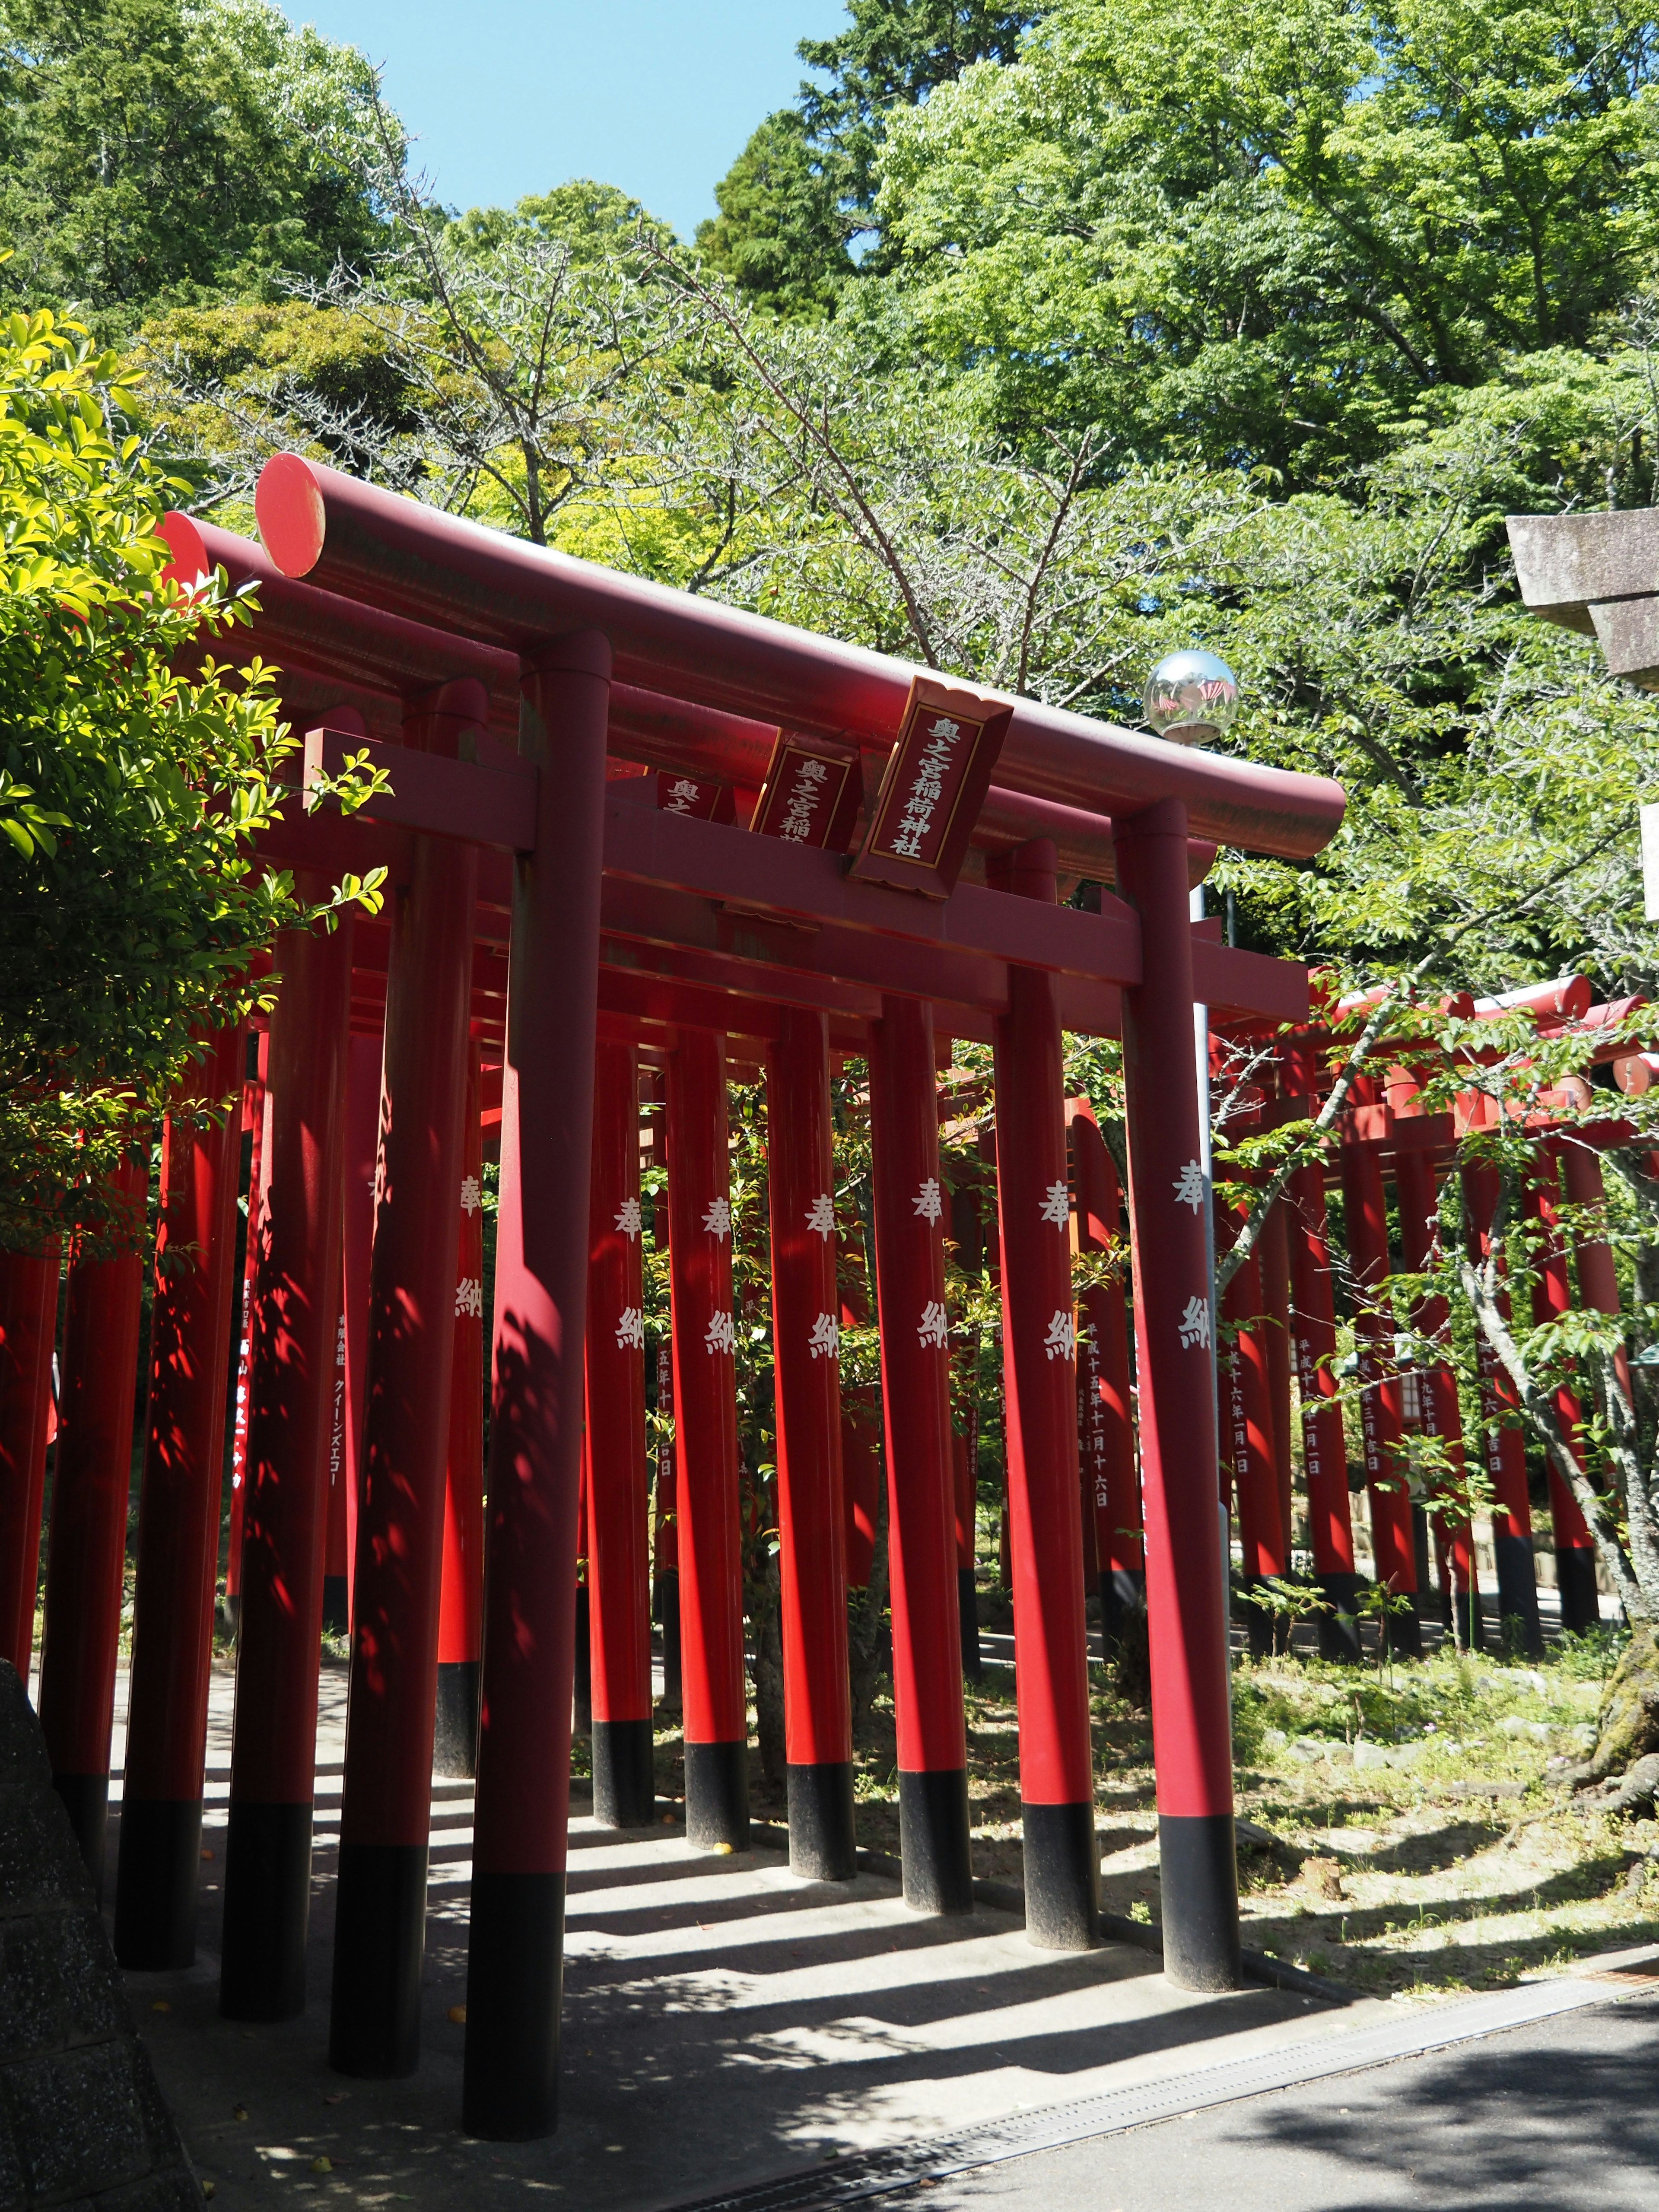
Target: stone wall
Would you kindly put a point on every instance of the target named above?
(81, 2122)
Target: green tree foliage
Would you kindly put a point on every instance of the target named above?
(1259, 234)
(892, 55)
(134, 772)
(780, 234)
(806, 183)
(154, 151)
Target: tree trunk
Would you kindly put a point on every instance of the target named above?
(1629, 1719)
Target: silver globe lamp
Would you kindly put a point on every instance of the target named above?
(1190, 697)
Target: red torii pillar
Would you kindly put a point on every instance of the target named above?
(515, 1959)
(291, 1374)
(28, 1324)
(811, 1562)
(1246, 1423)
(87, 1542)
(1273, 1251)
(178, 1522)
(460, 1594)
(1552, 1297)
(1502, 1441)
(1105, 1408)
(1439, 1412)
(618, 1563)
(362, 1145)
(860, 1429)
(968, 1234)
(1381, 1415)
(712, 1689)
(256, 1120)
(1056, 1768)
(1185, 1586)
(1324, 1443)
(915, 1391)
(385, 1811)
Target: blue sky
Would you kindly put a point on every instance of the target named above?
(507, 98)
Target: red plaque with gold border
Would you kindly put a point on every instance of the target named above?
(811, 792)
(934, 788)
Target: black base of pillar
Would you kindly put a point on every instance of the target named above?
(336, 1609)
(1199, 1885)
(1121, 1592)
(85, 1800)
(668, 1620)
(1575, 1576)
(155, 1878)
(717, 1795)
(1062, 1894)
(1339, 1629)
(515, 1987)
(455, 1733)
(230, 1605)
(821, 1842)
(380, 1937)
(973, 1664)
(1517, 1595)
(933, 1841)
(262, 1972)
(1404, 1631)
(624, 1775)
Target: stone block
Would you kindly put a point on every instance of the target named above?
(1566, 563)
(76, 2121)
(57, 1985)
(39, 1864)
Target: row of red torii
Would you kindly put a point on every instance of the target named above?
(897, 884)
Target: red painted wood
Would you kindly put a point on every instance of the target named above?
(705, 1392)
(291, 1378)
(1382, 1407)
(806, 1339)
(618, 1562)
(92, 1474)
(1246, 1412)
(347, 536)
(541, 1278)
(399, 1558)
(179, 1511)
(1039, 1373)
(1313, 1321)
(28, 1325)
(460, 1601)
(256, 1120)
(915, 1390)
(361, 1150)
(1191, 1729)
(1105, 1408)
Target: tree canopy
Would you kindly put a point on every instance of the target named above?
(155, 151)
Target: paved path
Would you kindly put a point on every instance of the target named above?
(1554, 2116)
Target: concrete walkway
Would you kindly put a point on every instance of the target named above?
(1558, 2117)
(726, 2025)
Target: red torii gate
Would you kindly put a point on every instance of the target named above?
(1384, 1133)
(565, 923)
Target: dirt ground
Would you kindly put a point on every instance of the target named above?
(1403, 1831)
